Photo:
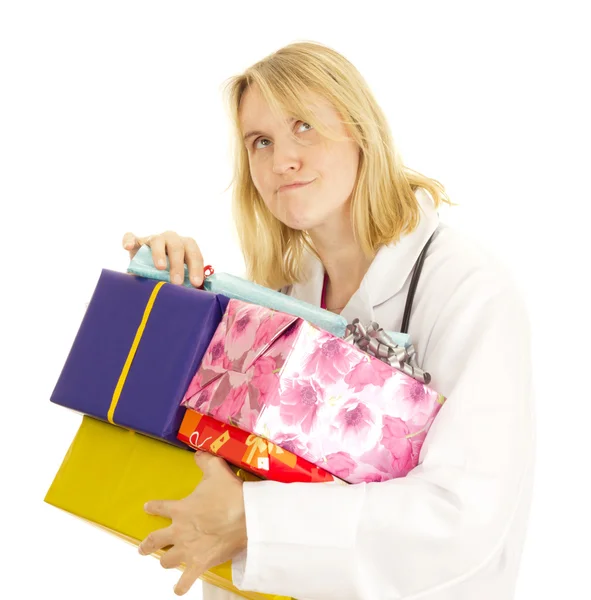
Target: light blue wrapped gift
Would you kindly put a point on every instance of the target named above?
(247, 291)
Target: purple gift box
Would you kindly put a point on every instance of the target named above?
(136, 351)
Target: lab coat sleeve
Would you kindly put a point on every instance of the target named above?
(407, 537)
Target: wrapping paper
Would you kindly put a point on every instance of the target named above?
(136, 351)
(313, 394)
(231, 286)
(379, 343)
(241, 289)
(109, 473)
(248, 451)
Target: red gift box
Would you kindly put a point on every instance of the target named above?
(249, 451)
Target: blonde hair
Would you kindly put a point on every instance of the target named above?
(383, 203)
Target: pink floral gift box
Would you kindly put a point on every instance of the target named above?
(313, 394)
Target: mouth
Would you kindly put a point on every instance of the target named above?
(294, 186)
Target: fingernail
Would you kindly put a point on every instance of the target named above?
(177, 279)
(196, 281)
(161, 262)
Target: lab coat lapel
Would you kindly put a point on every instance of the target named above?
(310, 290)
(394, 263)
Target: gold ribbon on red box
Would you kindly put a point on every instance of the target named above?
(264, 451)
(249, 451)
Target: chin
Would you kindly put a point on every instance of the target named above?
(295, 217)
(299, 222)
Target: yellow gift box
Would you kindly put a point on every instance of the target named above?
(109, 473)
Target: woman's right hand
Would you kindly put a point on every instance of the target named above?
(180, 250)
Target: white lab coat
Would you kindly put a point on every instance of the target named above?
(453, 528)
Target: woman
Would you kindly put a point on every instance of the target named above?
(327, 212)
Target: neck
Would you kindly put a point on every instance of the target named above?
(344, 262)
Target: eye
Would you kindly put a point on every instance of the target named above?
(306, 124)
(261, 139)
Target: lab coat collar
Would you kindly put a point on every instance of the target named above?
(387, 273)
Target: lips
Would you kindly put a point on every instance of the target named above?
(294, 186)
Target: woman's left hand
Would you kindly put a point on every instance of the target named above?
(208, 526)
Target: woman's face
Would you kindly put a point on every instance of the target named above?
(277, 159)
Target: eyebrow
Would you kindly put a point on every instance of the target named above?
(251, 133)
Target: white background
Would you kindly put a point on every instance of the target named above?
(111, 119)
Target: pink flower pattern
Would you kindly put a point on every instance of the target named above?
(229, 410)
(331, 359)
(313, 394)
(341, 463)
(294, 443)
(274, 322)
(241, 334)
(368, 372)
(300, 400)
(354, 421)
(265, 380)
(401, 448)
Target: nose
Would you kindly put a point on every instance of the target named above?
(286, 157)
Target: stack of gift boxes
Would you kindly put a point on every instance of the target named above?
(158, 370)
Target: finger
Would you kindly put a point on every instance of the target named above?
(156, 540)
(145, 240)
(158, 245)
(188, 578)
(129, 241)
(206, 461)
(172, 559)
(176, 255)
(194, 260)
(162, 508)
